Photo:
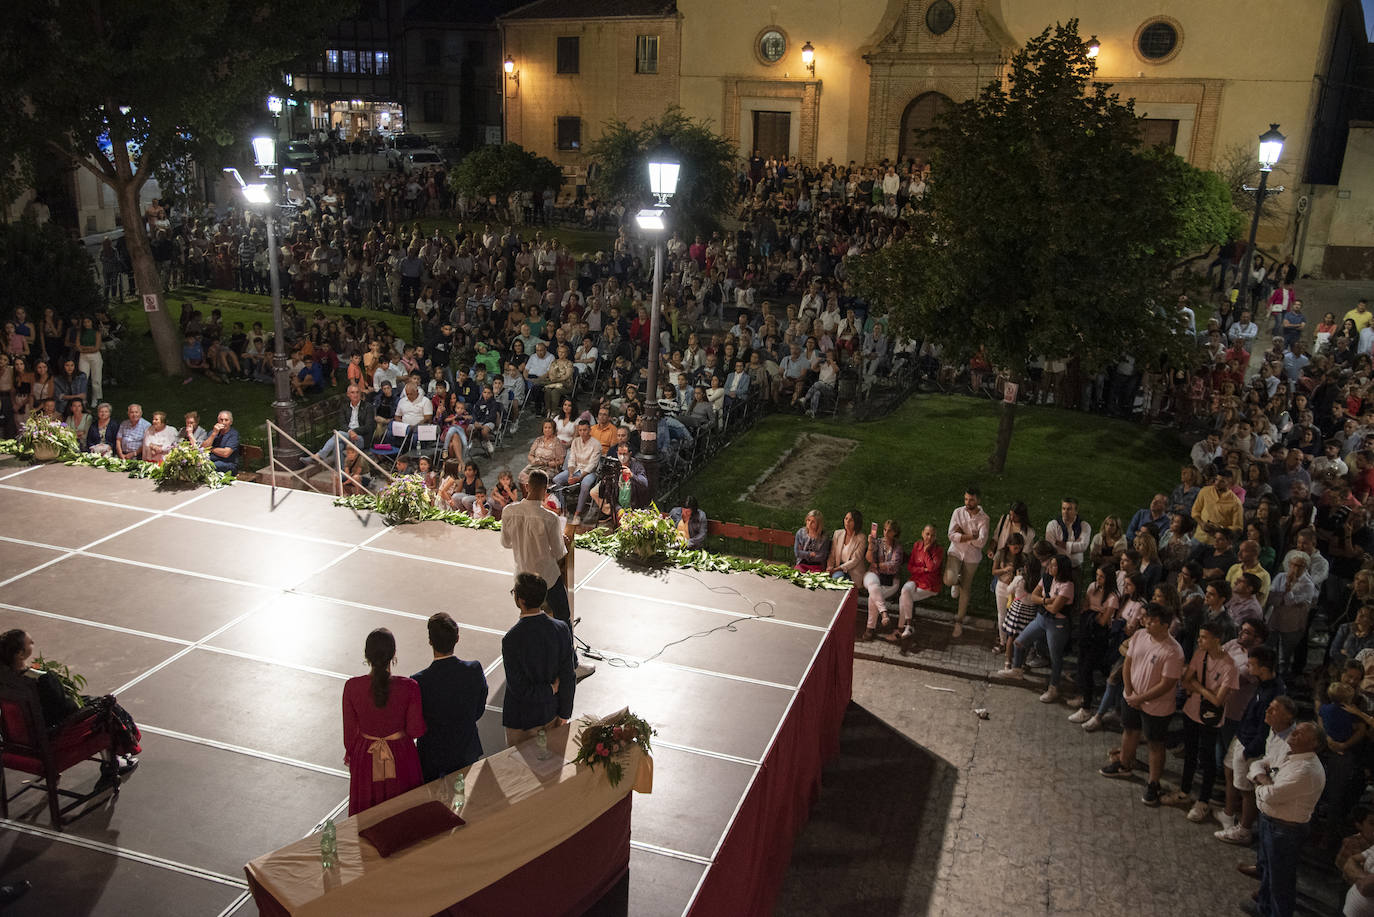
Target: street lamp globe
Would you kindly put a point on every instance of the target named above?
(1094, 48)
(663, 172)
(265, 152)
(509, 65)
(1270, 147)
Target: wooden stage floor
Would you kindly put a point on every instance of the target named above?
(227, 625)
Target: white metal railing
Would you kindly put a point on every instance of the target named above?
(340, 472)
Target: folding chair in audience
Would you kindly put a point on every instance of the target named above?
(385, 451)
(427, 441)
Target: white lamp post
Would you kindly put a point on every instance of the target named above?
(1270, 149)
(664, 169)
(258, 193)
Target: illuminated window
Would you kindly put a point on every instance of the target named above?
(383, 62)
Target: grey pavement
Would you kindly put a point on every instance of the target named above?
(930, 810)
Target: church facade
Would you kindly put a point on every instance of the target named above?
(860, 80)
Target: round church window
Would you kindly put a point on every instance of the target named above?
(939, 17)
(1158, 40)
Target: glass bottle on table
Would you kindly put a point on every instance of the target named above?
(542, 740)
(329, 845)
(460, 791)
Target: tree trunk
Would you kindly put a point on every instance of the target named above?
(997, 462)
(146, 279)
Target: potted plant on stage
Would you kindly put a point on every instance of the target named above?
(646, 535)
(49, 439)
(187, 463)
(405, 499)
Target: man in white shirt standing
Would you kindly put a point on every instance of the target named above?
(535, 536)
(968, 532)
(1286, 793)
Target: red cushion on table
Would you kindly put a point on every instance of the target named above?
(410, 827)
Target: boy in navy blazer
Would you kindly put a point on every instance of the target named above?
(453, 696)
(540, 665)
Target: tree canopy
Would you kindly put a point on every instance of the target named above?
(706, 185)
(504, 169)
(121, 88)
(41, 267)
(1047, 229)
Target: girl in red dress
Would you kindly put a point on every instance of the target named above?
(381, 721)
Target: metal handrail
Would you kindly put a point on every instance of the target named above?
(342, 443)
(273, 465)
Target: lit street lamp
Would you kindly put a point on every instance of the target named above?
(1270, 149)
(664, 168)
(259, 193)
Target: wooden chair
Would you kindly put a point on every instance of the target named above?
(30, 749)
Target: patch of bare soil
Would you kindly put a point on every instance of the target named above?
(802, 472)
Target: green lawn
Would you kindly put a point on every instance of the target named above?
(913, 466)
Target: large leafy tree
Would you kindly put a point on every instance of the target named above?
(501, 170)
(122, 88)
(706, 184)
(1048, 229)
(41, 267)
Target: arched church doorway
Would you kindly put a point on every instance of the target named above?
(917, 121)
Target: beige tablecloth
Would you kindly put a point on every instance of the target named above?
(517, 808)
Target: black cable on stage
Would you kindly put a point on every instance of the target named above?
(730, 626)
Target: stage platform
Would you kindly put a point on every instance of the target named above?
(227, 625)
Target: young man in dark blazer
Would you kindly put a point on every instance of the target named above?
(541, 667)
(453, 696)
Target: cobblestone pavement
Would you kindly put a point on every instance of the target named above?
(930, 810)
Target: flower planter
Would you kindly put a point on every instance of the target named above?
(45, 452)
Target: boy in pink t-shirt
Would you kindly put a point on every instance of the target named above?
(1154, 664)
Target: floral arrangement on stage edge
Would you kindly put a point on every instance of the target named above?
(132, 467)
(603, 541)
(606, 742)
(187, 463)
(44, 436)
(645, 534)
(405, 499)
(72, 683)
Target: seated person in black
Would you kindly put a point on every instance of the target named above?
(453, 696)
(61, 709)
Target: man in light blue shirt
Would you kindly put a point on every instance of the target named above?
(129, 442)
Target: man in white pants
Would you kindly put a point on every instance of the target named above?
(968, 532)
